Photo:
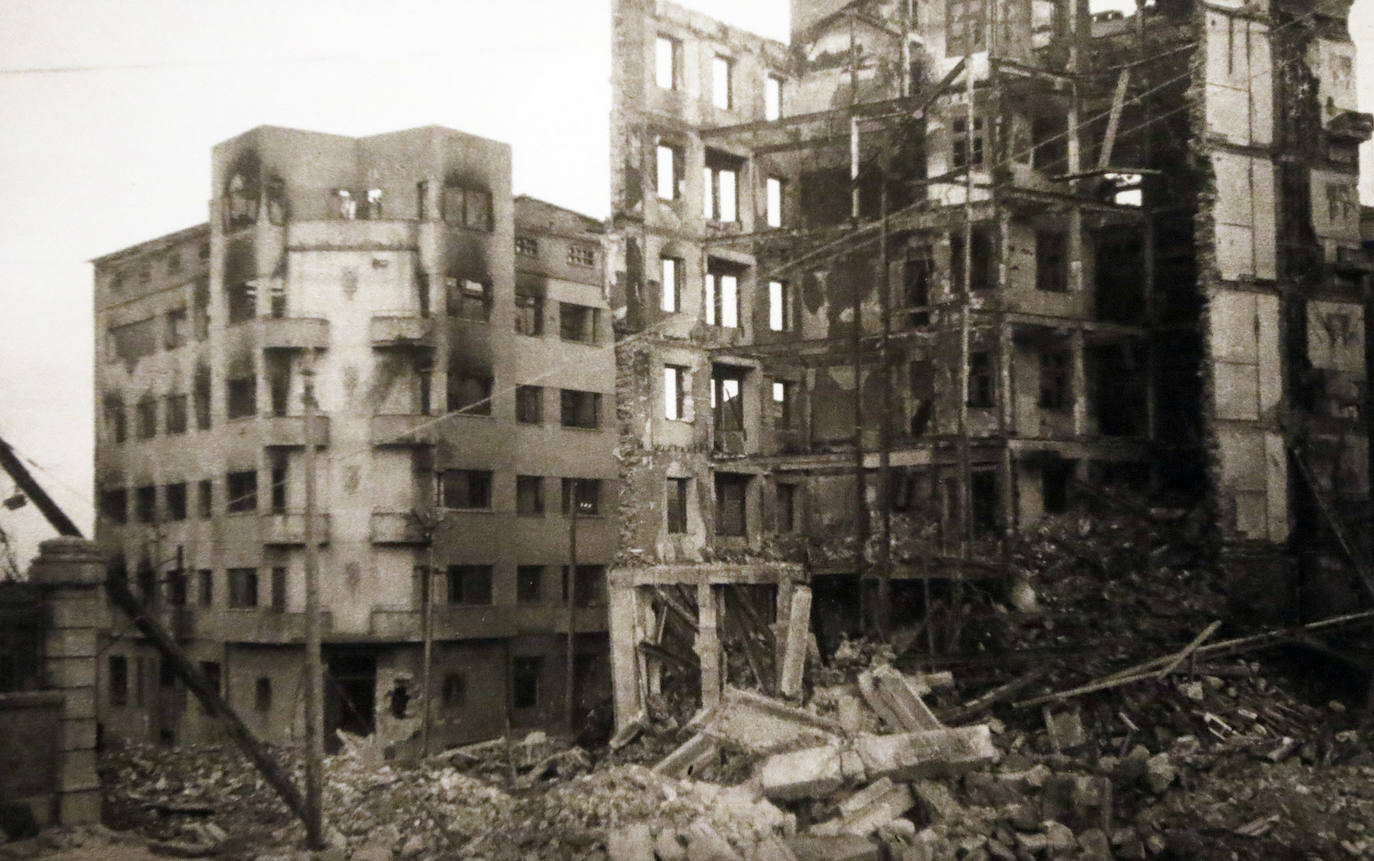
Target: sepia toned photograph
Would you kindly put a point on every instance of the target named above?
(632, 430)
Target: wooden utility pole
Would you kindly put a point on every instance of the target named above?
(314, 675)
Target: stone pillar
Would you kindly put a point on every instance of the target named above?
(70, 571)
(708, 644)
(623, 636)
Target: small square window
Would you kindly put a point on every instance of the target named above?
(578, 322)
(580, 409)
(466, 488)
(581, 255)
(527, 246)
(469, 584)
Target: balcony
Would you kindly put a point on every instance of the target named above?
(289, 528)
(404, 430)
(402, 332)
(395, 527)
(294, 333)
(290, 431)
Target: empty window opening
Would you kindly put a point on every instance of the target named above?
(467, 207)
(675, 386)
(772, 206)
(176, 592)
(145, 504)
(589, 586)
(279, 590)
(147, 581)
(243, 588)
(722, 297)
(205, 499)
(200, 394)
(721, 187)
(176, 329)
(469, 584)
(983, 492)
(176, 414)
(772, 97)
(1056, 369)
(525, 673)
(980, 274)
(722, 95)
(529, 494)
(780, 310)
(241, 396)
(786, 518)
(731, 492)
(980, 380)
(176, 500)
(147, 417)
(783, 409)
(1051, 261)
(667, 62)
(1054, 486)
(529, 404)
(119, 680)
(529, 584)
(262, 694)
(114, 505)
(669, 172)
(677, 505)
(917, 272)
(205, 587)
(132, 341)
(113, 413)
(278, 381)
(727, 398)
(670, 297)
(277, 458)
(466, 488)
(578, 322)
(587, 492)
(242, 490)
(399, 698)
(580, 409)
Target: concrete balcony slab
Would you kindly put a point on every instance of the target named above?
(294, 333)
(395, 527)
(289, 528)
(404, 430)
(402, 331)
(290, 431)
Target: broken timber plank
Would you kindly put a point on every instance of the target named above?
(1188, 650)
(1114, 119)
(985, 701)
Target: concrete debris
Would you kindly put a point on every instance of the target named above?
(811, 773)
(795, 643)
(837, 848)
(869, 809)
(897, 699)
(761, 724)
(690, 755)
(929, 753)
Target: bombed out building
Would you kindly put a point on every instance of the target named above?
(931, 272)
(458, 344)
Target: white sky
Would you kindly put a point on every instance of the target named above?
(109, 143)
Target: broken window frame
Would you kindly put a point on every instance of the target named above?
(467, 207)
(243, 588)
(722, 298)
(469, 393)
(465, 489)
(981, 273)
(468, 299)
(579, 409)
(784, 404)
(720, 187)
(727, 399)
(589, 585)
(918, 273)
(529, 314)
(468, 585)
(959, 142)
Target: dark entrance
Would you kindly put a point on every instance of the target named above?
(350, 696)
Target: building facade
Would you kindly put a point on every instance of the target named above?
(910, 283)
(458, 345)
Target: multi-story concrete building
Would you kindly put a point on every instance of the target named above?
(458, 344)
(902, 286)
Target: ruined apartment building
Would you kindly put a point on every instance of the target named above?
(460, 348)
(1119, 250)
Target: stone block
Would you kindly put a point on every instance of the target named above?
(926, 753)
(688, 756)
(901, 696)
(844, 847)
(939, 804)
(992, 790)
(704, 843)
(630, 843)
(797, 640)
(761, 724)
(811, 773)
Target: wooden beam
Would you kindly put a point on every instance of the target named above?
(1104, 158)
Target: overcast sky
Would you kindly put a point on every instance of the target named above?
(108, 112)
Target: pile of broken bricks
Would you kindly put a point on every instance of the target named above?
(867, 780)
